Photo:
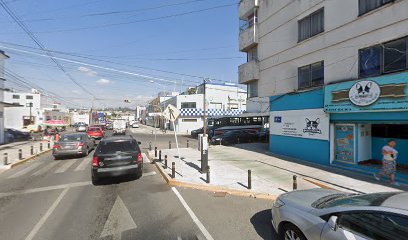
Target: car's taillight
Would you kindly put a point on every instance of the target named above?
(95, 161)
(80, 144)
(57, 146)
(139, 158)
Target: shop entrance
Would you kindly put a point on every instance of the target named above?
(345, 147)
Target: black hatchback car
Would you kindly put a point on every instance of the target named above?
(117, 156)
(233, 137)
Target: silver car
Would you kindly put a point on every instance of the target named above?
(73, 144)
(333, 215)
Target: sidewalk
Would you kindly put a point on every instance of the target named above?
(12, 150)
(270, 175)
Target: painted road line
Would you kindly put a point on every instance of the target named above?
(192, 215)
(149, 174)
(43, 189)
(25, 170)
(44, 218)
(145, 158)
(83, 164)
(66, 165)
(45, 169)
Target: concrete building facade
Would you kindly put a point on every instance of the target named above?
(29, 106)
(321, 61)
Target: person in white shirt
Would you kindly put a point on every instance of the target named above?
(389, 163)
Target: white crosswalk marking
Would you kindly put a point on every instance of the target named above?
(83, 164)
(66, 165)
(25, 170)
(45, 168)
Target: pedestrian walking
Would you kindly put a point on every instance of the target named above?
(389, 162)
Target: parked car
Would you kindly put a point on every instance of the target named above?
(194, 133)
(13, 135)
(32, 128)
(135, 125)
(95, 132)
(233, 137)
(115, 156)
(81, 127)
(330, 214)
(263, 135)
(73, 144)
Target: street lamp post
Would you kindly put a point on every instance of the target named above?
(204, 142)
(30, 105)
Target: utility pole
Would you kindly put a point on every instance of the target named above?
(30, 105)
(204, 141)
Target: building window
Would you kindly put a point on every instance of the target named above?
(252, 90)
(311, 75)
(29, 97)
(15, 96)
(189, 120)
(214, 105)
(311, 25)
(365, 6)
(252, 54)
(188, 105)
(54, 117)
(383, 58)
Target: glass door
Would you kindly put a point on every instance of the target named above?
(345, 145)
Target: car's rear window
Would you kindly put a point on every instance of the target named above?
(94, 129)
(117, 146)
(67, 138)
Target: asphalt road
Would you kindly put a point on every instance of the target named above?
(48, 199)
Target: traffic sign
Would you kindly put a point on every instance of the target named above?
(171, 113)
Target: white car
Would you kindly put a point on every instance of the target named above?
(81, 128)
(135, 125)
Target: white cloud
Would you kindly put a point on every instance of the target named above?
(87, 71)
(103, 81)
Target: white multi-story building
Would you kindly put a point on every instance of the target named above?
(314, 60)
(222, 100)
(28, 111)
(80, 115)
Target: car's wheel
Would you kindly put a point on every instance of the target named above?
(56, 158)
(87, 152)
(291, 232)
(95, 180)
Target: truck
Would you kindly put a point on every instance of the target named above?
(119, 126)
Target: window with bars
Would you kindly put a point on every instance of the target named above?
(252, 89)
(311, 75)
(365, 6)
(384, 58)
(188, 105)
(311, 25)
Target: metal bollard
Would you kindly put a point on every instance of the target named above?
(32, 150)
(165, 161)
(150, 146)
(41, 147)
(160, 156)
(249, 179)
(208, 174)
(169, 144)
(155, 152)
(20, 154)
(173, 170)
(49, 145)
(5, 159)
(187, 143)
(294, 182)
(152, 132)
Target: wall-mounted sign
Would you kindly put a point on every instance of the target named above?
(308, 123)
(364, 93)
(385, 93)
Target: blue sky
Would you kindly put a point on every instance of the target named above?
(191, 37)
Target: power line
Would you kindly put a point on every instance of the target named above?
(37, 41)
(137, 21)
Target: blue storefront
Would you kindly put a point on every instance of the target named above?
(364, 115)
(345, 123)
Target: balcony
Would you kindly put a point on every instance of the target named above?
(248, 36)
(246, 8)
(248, 71)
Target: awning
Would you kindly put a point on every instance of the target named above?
(54, 123)
(264, 114)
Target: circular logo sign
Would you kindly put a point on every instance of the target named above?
(364, 93)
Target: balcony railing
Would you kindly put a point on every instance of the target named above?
(248, 71)
(247, 24)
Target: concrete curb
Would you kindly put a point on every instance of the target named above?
(12, 165)
(210, 188)
(321, 185)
